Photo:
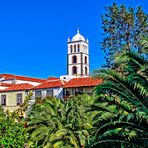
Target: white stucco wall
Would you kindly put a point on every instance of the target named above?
(3, 87)
(84, 48)
(21, 81)
(8, 81)
(29, 82)
(57, 92)
(71, 56)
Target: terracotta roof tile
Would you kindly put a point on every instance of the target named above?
(6, 84)
(50, 84)
(53, 78)
(24, 78)
(80, 82)
(15, 87)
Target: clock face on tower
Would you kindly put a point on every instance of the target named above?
(78, 56)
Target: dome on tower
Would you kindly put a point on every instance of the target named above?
(78, 37)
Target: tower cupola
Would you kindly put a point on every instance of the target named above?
(78, 37)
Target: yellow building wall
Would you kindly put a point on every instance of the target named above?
(11, 100)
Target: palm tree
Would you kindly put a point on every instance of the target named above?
(56, 123)
(122, 103)
(144, 43)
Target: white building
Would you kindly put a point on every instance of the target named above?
(52, 88)
(77, 57)
(16, 79)
(14, 88)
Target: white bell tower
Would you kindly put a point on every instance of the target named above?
(77, 56)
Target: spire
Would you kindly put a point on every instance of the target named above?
(78, 30)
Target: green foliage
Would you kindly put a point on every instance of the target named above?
(1, 113)
(12, 134)
(122, 103)
(122, 29)
(57, 123)
(12, 130)
(144, 43)
(24, 109)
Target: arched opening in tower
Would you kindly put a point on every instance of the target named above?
(85, 59)
(74, 59)
(86, 71)
(74, 70)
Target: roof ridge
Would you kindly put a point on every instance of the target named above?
(52, 80)
(8, 84)
(20, 86)
(21, 76)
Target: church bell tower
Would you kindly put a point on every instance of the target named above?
(78, 56)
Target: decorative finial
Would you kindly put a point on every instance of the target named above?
(78, 30)
(68, 40)
(87, 40)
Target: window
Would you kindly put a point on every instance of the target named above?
(71, 48)
(49, 93)
(67, 92)
(78, 47)
(37, 94)
(74, 48)
(85, 59)
(79, 91)
(74, 59)
(19, 98)
(74, 70)
(3, 100)
(86, 71)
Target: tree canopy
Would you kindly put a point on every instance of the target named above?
(123, 28)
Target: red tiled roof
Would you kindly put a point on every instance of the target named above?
(53, 78)
(80, 82)
(6, 84)
(24, 78)
(50, 84)
(15, 87)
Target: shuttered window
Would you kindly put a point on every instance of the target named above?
(19, 98)
(3, 100)
(38, 94)
(49, 93)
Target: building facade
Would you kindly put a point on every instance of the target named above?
(14, 88)
(50, 88)
(13, 96)
(77, 56)
(83, 85)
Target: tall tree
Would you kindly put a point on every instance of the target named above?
(144, 43)
(122, 29)
(122, 104)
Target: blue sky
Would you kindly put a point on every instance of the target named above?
(33, 33)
